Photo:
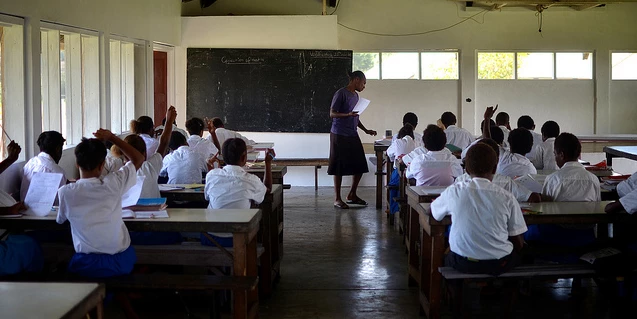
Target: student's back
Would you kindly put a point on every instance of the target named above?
(513, 163)
(183, 165)
(520, 192)
(46, 161)
(455, 135)
(200, 145)
(144, 127)
(544, 156)
(437, 167)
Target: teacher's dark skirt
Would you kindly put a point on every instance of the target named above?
(347, 156)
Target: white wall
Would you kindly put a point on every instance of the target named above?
(623, 106)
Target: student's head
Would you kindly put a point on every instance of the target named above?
(567, 148)
(406, 130)
(550, 129)
(177, 140)
(234, 151)
(217, 122)
(136, 142)
(410, 118)
(491, 124)
(434, 138)
(502, 118)
(51, 142)
(520, 141)
(481, 161)
(357, 80)
(90, 155)
(448, 118)
(143, 125)
(497, 135)
(526, 122)
(492, 143)
(195, 126)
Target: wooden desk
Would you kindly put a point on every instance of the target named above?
(242, 223)
(316, 162)
(278, 172)
(380, 149)
(629, 152)
(50, 300)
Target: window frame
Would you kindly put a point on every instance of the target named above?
(610, 64)
(419, 52)
(554, 52)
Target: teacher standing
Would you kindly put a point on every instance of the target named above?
(347, 156)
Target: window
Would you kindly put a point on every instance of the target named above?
(369, 63)
(400, 65)
(496, 65)
(574, 65)
(624, 65)
(534, 65)
(11, 82)
(122, 70)
(439, 65)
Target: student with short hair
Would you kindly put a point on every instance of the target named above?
(544, 158)
(411, 119)
(93, 207)
(456, 136)
(487, 227)
(50, 143)
(513, 163)
(402, 145)
(160, 129)
(526, 122)
(437, 167)
(503, 121)
(205, 147)
(145, 128)
(183, 165)
(231, 187)
(222, 134)
(627, 191)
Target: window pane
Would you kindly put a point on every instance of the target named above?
(624, 66)
(577, 65)
(496, 65)
(439, 65)
(64, 87)
(535, 65)
(403, 65)
(368, 63)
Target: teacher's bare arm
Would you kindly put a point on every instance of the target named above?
(336, 115)
(362, 127)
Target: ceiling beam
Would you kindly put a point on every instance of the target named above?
(587, 6)
(592, 3)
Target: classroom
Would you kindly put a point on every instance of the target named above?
(268, 70)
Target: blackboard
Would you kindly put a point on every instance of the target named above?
(260, 90)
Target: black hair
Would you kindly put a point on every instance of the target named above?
(550, 129)
(90, 154)
(137, 142)
(434, 138)
(480, 160)
(569, 145)
(520, 141)
(406, 130)
(410, 118)
(163, 122)
(526, 122)
(217, 122)
(232, 150)
(497, 135)
(50, 142)
(143, 125)
(448, 118)
(493, 143)
(176, 140)
(355, 75)
(491, 124)
(502, 118)
(195, 126)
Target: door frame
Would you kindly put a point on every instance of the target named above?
(170, 50)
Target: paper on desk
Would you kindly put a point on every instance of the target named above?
(530, 184)
(594, 255)
(168, 187)
(131, 197)
(151, 214)
(361, 105)
(42, 192)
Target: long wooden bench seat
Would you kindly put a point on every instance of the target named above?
(180, 282)
(529, 271)
(316, 162)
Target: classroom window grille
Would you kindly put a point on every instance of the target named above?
(122, 79)
(624, 65)
(11, 82)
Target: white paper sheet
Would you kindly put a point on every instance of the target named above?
(151, 214)
(606, 252)
(361, 105)
(42, 192)
(530, 184)
(131, 197)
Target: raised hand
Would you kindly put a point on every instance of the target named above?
(104, 135)
(13, 149)
(489, 112)
(371, 132)
(269, 155)
(171, 115)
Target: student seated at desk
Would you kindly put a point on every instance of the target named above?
(216, 125)
(437, 167)
(627, 192)
(114, 159)
(93, 207)
(526, 122)
(160, 129)
(503, 121)
(205, 147)
(50, 144)
(456, 136)
(231, 187)
(145, 128)
(183, 165)
(412, 119)
(403, 144)
(18, 253)
(489, 130)
(513, 163)
(543, 157)
(486, 232)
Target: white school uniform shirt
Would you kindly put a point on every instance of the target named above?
(572, 183)
(505, 132)
(175, 129)
(151, 144)
(627, 191)
(484, 217)
(520, 192)
(537, 140)
(544, 157)
(417, 139)
(202, 146)
(400, 147)
(184, 166)
(413, 154)
(512, 165)
(93, 207)
(224, 134)
(6, 200)
(150, 170)
(435, 168)
(231, 187)
(464, 151)
(111, 164)
(458, 136)
(43, 162)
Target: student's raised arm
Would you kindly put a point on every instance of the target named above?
(213, 133)
(164, 139)
(486, 126)
(14, 151)
(129, 151)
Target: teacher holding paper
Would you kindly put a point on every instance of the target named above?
(347, 156)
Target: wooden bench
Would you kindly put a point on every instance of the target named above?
(316, 162)
(527, 271)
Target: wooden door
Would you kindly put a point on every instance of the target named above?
(160, 67)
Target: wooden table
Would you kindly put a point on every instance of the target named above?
(629, 152)
(50, 300)
(316, 162)
(380, 149)
(278, 172)
(242, 223)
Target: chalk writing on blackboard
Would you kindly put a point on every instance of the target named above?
(246, 60)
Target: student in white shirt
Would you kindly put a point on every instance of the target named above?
(412, 119)
(513, 163)
(487, 227)
(50, 143)
(627, 191)
(456, 136)
(205, 147)
(183, 165)
(160, 129)
(114, 159)
(526, 122)
(231, 187)
(503, 121)
(437, 167)
(492, 131)
(222, 134)
(404, 144)
(145, 128)
(544, 158)
(93, 207)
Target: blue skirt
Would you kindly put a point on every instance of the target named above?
(103, 265)
(20, 253)
(393, 193)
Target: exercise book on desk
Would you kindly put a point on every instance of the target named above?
(127, 213)
(42, 192)
(149, 204)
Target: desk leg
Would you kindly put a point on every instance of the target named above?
(316, 168)
(246, 303)
(267, 226)
(413, 263)
(389, 168)
(379, 179)
(609, 159)
(435, 278)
